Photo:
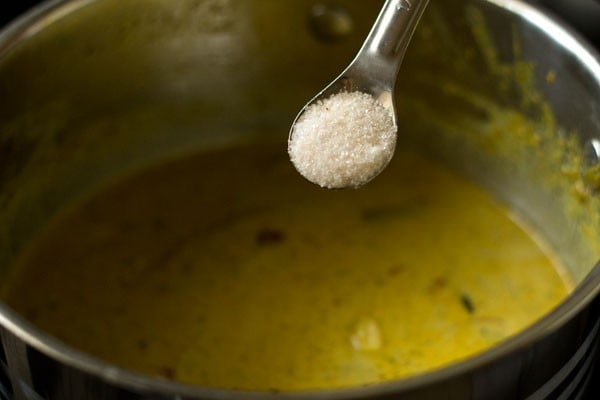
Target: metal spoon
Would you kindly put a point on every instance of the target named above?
(374, 70)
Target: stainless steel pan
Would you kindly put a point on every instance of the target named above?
(91, 88)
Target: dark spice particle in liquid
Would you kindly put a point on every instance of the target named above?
(467, 303)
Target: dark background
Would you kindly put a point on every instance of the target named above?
(12, 8)
(582, 15)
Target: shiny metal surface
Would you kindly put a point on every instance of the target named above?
(109, 62)
(375, 68)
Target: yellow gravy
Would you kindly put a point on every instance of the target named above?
(229, 270)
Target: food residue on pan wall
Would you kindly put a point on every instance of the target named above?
(533, 139)
(508, 133)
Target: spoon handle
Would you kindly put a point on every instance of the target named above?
(386, 44)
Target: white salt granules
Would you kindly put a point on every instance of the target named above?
(343, 141)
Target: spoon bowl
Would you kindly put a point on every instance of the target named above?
(374, 70)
